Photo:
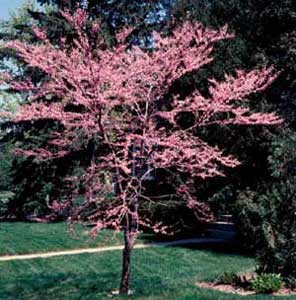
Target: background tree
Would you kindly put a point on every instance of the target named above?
(264, 36)
(268, 214)
(118, 97)
(261, 191)
(143, 16)
(32, 194)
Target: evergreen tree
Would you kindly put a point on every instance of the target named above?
(34, 184)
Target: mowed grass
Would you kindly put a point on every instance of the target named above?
(24, 238)
(162, 273)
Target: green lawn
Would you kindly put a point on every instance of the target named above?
(23, 238)
(168, 273)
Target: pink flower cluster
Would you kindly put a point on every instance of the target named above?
(120, 96)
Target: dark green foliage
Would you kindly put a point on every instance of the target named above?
(250, 145)
(265, 204)
(35, 184)
(278, 254)
(227, 278)
(5, 167)
(267, 222)
(267, 215)
(265, 34)
(267, 283)
(144, 16)
(290, 282)
(283, 155)
(236, 279)
(266, 31)
(5, 198)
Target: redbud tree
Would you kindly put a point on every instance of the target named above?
(118, 97)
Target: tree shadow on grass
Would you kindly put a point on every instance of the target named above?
(227, 246)
(80, 286)
(60, 286)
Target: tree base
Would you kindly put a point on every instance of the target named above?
(117, 292)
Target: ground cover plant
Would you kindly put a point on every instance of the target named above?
(267, 283)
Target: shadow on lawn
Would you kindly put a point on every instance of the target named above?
(60, 286)
(227, 247)
(76, 286)
(222, 246)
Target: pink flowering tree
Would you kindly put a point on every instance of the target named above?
(118, 97)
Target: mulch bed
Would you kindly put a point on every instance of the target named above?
(227, 288)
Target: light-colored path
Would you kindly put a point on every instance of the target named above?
(111, 248)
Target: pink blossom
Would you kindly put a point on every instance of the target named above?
(118, 95)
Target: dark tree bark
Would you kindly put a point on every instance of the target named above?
(126, 263)
(130, 235)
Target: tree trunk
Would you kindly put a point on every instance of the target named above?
(130, 236)
(126, 262)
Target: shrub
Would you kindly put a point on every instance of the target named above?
(268, 219)
(238, 280)
(227, 278)
(266, 215)
(5, 197)
(290, 282)
(267, 283)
